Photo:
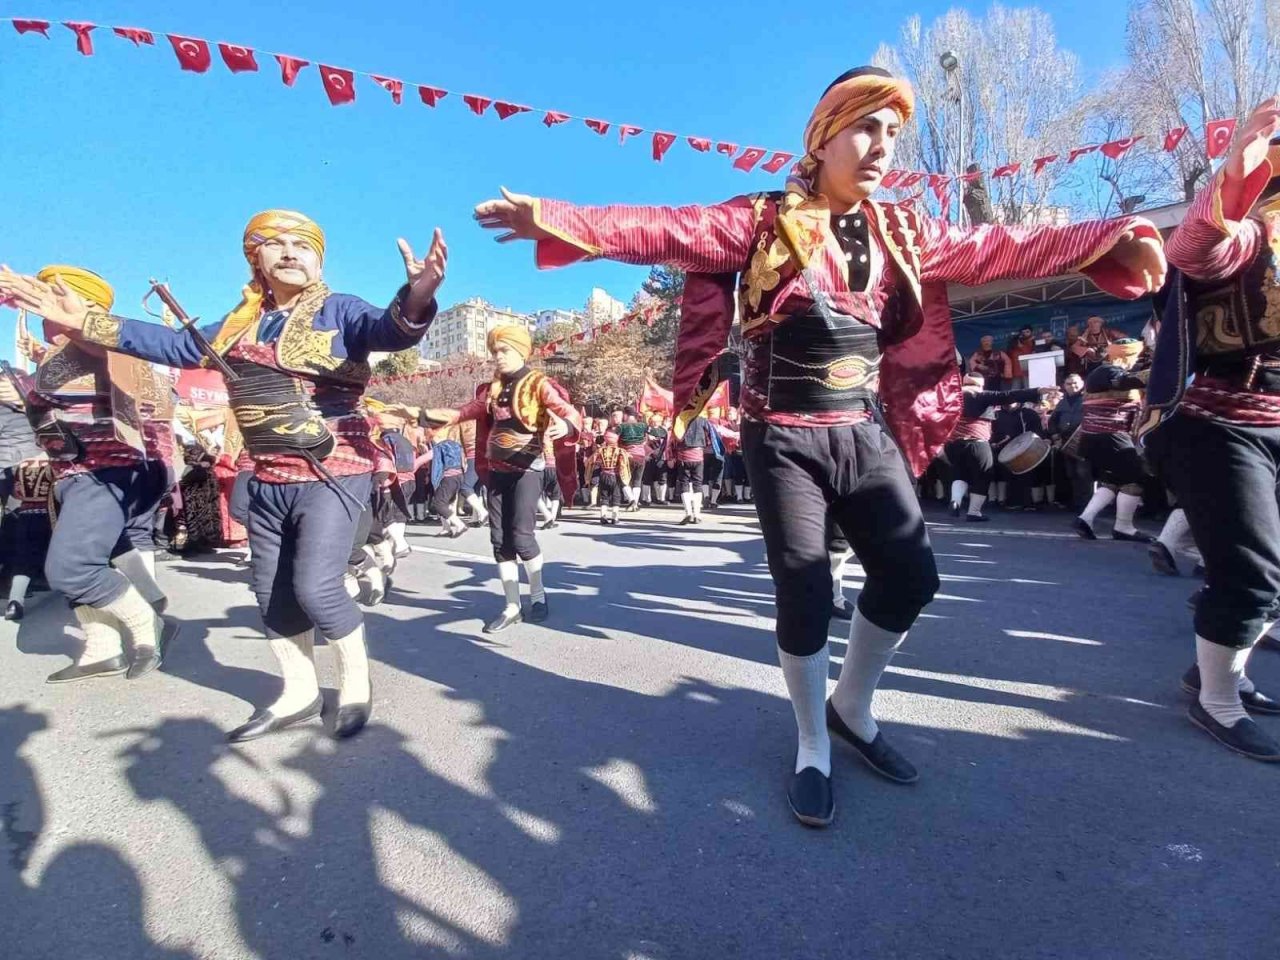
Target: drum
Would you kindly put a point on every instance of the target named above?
(1024, 453)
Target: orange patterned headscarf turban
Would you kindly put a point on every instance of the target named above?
(516, 337)
(265, 226)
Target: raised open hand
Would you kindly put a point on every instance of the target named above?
(56, 302)
(1254, 139)
(1143, 257)
(426, 275)
(514, 214)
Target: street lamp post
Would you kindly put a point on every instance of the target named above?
(950, 63)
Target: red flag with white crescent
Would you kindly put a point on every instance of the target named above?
(238, 59)
(779, 160)
(701, 144)
(1118, 148)
(553, 117)
(728, 149)
(477, 103)
(392, 86)
(1079, 152)
(599, 126)
(626, 130)
(891, 179)
(290, 67)
(32, 26)
(137, 35)
(750, 157)
(1217, 136)
(84, 42)
(1040, 163)
(193, 53)
(339, 84)
(1173, 138)
(505, 110)
(661, 144)
(431, 95)
(1008, 170)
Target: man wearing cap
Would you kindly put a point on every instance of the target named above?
(300, 353)
(842, 301)
(1112, 399)
(516, 414)
(103, 422)
(1211, 423)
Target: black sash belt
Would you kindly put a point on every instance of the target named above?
(819, 364)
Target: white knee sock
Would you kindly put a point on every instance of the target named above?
(1037, 494)
(975, 504)
(18, 587)
(870, 650)
(1002, 490)
(544, 510)
(509, 574)
(477, 507)
(697, 504)
(353, 667)
(533, 570)
(138, 621)
(991, 490)
(1101, 499)
(351, 585)
(102, 639)
(396, 532)
(1126, 506)
(555, 510)
(715, 495)
(746, 491)
(958, 489)
(1175, 531)
(687, 499)
(806, 679)
(1221, 673)
(839, 560)
(297, 673)
(140, 568)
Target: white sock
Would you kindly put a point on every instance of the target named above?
(141, 574)
(975, 504)
(353, 667)
(137, 619)
(1002, 490)
(102, 639)
(604, 512)
(1126, 506)
(18, 587)
(839, 560)
(1101, 499)
(870, 650)
(958, 489)
(297, 673)
(555, 510)
(1221, 670)
(377, 581)
(509, 574)
(1037, 494)
(533, 570)
(1176, 531)
(715, 495)
(544, 510)
(687, 499)
(477, 507)
(746, 491)
(697, 504)
(396, 531)
(806, 679)
(660, 492)
(1051, 493)
(351, 585)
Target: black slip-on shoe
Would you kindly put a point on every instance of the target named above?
(955, 510)
(977, 518)
(1138, 537)
(878, 754)
(90, 671)
(502, 621)
(1244, 736)
(352, 717)
(809, 795)
(264, 721)
(1162, 559)
(538, 612)
(147, 659)
(1255, 701)
(1081, 526)
(14, 611)
(844, 612)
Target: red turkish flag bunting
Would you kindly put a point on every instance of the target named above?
(625, 130)
(290, 67)
(477, 104)
(909, 180)
(1040, 163)
(238, 59)
(136, 34)
(552, 117)
(431, 95)
(661, 144)
(1217, 136)
(599, 126)
(728, 149)
(779, 160)
(84, 42)
(32, 26)
(750, 157)
(1079, 152)
(891, 178)
(1008, 170)
(1173, 138)
(701, 144)
(193, 54)
(1118, 148)
(392, 86)
(339, 84)
(505, 110)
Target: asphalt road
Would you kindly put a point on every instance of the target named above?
(610, 784)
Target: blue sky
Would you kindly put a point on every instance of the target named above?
(124, 164)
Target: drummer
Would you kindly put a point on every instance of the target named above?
(1029, 466)
(969, 449)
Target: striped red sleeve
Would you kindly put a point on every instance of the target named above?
(473, 410)
(991, 252)
(562, 408)
(710, 239)
(1213, 242)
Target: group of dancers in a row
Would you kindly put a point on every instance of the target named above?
(849, 388)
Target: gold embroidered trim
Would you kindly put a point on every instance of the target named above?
(102, 328)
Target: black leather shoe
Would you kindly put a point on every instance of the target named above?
(877, 754)
(1162, 559)
(89, 671)
(537, 612)
(686, 521)
(1198, 570)
(352, 717)
(146, 659)
(977, 518)
(1138, 537)
(14, 611)
(502, 622)
(1257, 701)
(264, 721)
(955, 510)
(809, 794)
(1244, 737)
(843, 612)
(1081, 526)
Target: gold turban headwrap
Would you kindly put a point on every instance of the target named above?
(1124, 348)
(263, 227)
(516, 337)
(856, 94)
(84, 282)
